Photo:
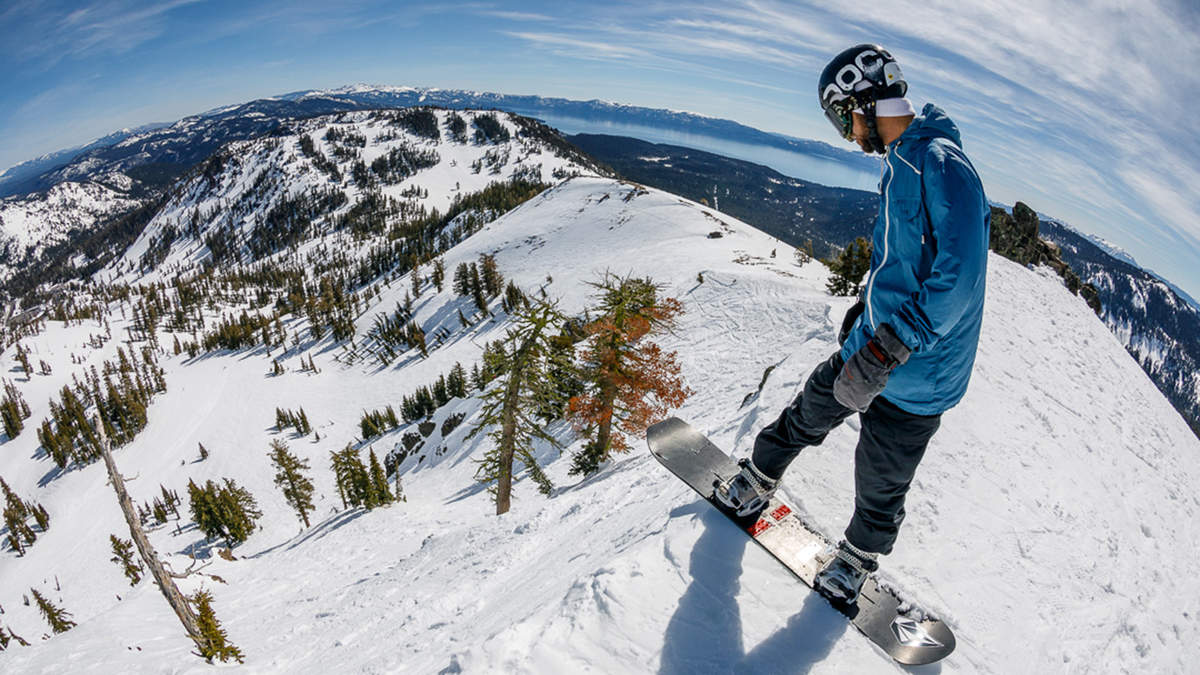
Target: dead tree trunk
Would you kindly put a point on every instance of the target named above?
(162, 577)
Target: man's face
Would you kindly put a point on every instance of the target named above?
(861, 134)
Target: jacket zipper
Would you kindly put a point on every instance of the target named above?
(887, 226)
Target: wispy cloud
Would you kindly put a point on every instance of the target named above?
(516, 16)
(579, 47)
(49, 33)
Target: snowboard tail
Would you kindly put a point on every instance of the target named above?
(910, 637)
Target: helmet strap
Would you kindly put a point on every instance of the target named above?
(868, 108)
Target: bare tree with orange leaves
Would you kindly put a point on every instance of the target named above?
(630, 382)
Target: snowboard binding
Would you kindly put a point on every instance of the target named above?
(747, 492)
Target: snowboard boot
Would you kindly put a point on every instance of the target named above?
(746, 493)
(842, 578)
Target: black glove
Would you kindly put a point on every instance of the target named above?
(866, 372)
(848, 322)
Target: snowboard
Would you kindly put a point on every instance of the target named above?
(899, 628)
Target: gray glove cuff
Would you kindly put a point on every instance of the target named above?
(891, 344)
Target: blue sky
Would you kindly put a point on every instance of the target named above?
(1084, 110)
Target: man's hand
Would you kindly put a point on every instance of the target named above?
(865, 373)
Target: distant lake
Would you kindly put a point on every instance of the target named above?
(795, 164)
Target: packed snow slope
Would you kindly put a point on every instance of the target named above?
(1053, 523)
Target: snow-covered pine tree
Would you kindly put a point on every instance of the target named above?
(123, 556)
(289, 476)
(216, 640)
(522, 369)
(58, 618)
(629, 381)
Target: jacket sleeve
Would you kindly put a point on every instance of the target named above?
(958, 213)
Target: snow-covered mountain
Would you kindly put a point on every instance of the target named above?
(22, 178)
(29, 225)
(1052, 523)
(157, 153)
(344, 178)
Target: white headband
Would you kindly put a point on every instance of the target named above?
(892, 107)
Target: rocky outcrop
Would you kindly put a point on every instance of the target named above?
(1015, 236)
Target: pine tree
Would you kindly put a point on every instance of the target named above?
(123, 556)
(477, 291)
(489, 273)
(456, 383)
(40, 516)
(353, 479)
(849, 268)
(23, 358)
(438, 276)
(16, 515)
(629, 381)
(217, 645)
(462, 280)
(521, 368)
(13, 410)
(58, 618)
(12, 636)
(289, 475)
(241, 512)
(228, 510)
(379, 484)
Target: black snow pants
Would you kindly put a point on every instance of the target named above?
(890, 446)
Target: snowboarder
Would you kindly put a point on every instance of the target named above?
(909, 344)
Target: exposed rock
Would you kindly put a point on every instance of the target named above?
(1015, 236)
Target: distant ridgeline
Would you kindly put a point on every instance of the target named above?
(1157, 327)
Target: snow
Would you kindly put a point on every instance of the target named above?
(32, 223)
(1053, 522)
(292, 174)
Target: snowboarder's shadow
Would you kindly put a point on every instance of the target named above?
(705, 633)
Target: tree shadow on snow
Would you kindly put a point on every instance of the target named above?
(317, 531)
(705, 633)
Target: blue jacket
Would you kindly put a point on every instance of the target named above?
(928, 264)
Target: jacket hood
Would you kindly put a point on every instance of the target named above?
(933, 123)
